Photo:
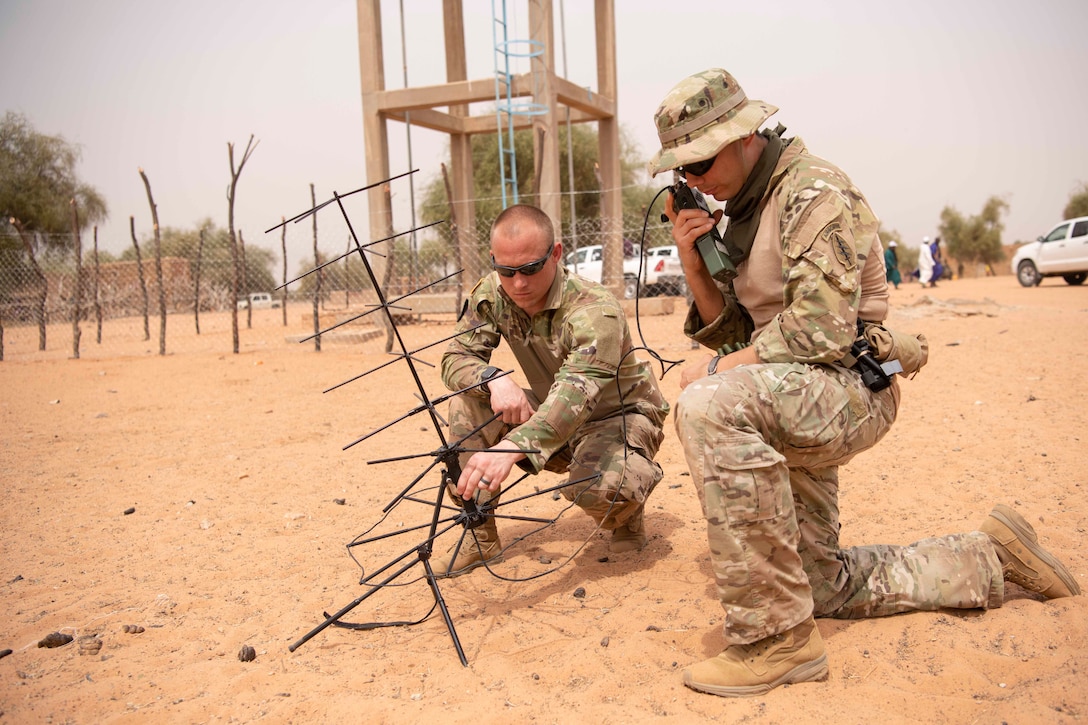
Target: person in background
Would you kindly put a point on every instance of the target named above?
(925, 263)
(938, 264)
(891, 264)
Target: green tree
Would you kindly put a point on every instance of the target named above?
(105, 256)
(215, 258)
(888, 235)
(587, 202)
(975, 239)
(344, 274)
(38, 181)
(1078, 202)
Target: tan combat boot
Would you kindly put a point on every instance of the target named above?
(1023, 561)
(486, 547)
(629, 537)
(796, 655)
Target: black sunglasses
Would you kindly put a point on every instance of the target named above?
(527, 269)
(697, 168)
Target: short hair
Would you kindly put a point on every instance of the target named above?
(512, 219)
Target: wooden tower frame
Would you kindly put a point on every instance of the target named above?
(425, 104)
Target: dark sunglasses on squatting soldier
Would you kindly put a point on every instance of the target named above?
(697, 168)
(527, 269)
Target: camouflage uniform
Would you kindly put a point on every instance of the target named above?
(573, 353)
(764, 441)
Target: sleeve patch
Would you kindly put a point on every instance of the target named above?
(842, 251)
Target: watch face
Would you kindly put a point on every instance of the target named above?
(489, 372)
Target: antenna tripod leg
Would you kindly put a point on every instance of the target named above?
(332, 619)
(423, 556)
(433, 584)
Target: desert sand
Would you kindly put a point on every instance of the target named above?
(179, 508)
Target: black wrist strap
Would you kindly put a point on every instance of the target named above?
(712, 366)
(489, 372)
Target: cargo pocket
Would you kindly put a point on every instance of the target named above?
(740, 482)
(642, 435)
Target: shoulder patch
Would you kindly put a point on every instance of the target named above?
(839, 247)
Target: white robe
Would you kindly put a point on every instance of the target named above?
(925, 263)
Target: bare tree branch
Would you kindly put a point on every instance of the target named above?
(231, 194)
(158, 264)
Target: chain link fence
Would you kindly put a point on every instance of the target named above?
(328, 281)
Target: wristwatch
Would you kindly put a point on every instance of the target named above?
(489, 372)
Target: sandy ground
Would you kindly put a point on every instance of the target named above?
(243, 500)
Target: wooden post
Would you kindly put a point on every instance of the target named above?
(283, 248)
(245, 280)
(375, 132)
(608, 140)
(140, 275)
(196, 281)
(317, 287)
(231, 192)
(347, 273)
(546, 127)
(77, 293)
(158, 264)
(462, 201)
(454, 242)
(97, 301)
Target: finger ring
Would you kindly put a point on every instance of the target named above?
(485, 482)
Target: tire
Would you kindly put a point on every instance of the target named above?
(1027, 274)
(1076, 278)
(630, 287)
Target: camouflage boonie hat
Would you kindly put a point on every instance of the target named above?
(703, 114)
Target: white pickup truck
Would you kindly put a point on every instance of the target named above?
(259, 301)
(662, 273)
(1063, 251)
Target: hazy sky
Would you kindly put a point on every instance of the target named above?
(925, 104)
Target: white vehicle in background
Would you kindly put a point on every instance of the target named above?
(664, 272)
(661, 270)
(1063, 252)
(258, 301)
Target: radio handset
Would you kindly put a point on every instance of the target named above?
(710, 245)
